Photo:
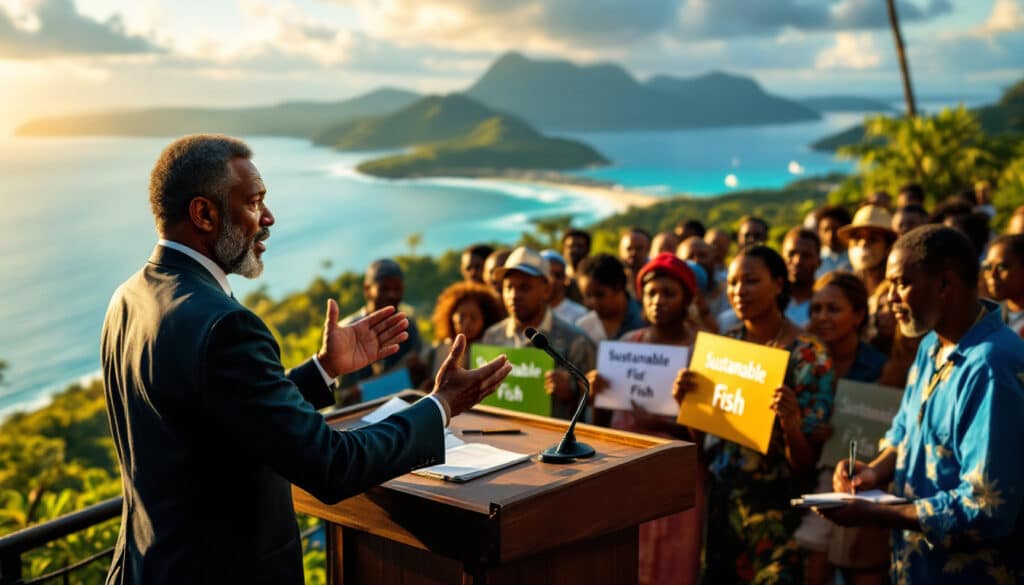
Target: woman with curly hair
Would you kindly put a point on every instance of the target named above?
(750, 523)
(468, 308)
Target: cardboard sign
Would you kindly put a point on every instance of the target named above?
(863, 412)
(384, 384)
(735, 383)
(523, 389)
(639, 372)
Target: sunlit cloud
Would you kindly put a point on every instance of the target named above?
(851, 51)
(1007, 16)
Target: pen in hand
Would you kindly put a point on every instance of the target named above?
(853, 464)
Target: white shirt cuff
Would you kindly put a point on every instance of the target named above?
(323, 373)
(444, 417)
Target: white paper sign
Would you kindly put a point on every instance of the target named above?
(641, 373)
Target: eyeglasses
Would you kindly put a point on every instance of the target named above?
(1001, 267)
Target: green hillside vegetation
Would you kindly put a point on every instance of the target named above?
(781, 208)
(496, 145)
(1003, 117)
(430, 119)
(297, 119)
(454, 135)
(561, 95)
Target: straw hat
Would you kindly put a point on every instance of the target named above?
(869, 218)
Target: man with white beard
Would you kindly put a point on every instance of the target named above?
(209, 429)
(953, 447)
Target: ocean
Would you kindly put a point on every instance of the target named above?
(76, 220)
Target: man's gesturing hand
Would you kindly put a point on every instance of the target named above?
(459, 389)
(350, 348)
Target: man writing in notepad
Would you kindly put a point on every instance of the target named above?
(954, 446)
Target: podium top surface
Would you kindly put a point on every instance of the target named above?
(631, 479)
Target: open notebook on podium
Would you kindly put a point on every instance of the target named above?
(463, 461)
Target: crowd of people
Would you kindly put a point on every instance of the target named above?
(834, 295)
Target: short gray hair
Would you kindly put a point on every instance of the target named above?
(192, 166)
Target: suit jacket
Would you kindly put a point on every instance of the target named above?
(210, 430)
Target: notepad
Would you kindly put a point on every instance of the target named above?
(397, 405)
(472, 460)
(836, 499)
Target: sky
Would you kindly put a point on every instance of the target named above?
(66, 56)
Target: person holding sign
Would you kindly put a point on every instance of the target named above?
(839, 314)
(749, 537)
(526, 289)
(954, 445)
(670, 546)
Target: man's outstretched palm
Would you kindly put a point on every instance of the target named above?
(352, 347)
(459, 389)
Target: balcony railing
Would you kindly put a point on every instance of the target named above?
(14, 545)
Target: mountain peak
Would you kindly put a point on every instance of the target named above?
(559, 94)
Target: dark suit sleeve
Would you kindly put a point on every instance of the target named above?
(311, 384)
(249, 400)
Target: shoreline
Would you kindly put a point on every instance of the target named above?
(616, 196)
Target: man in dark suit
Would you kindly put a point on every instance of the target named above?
(209, 428)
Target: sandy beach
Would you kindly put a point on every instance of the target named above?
(616, 196)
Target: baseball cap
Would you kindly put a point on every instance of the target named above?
(552, 256)
(526, 261)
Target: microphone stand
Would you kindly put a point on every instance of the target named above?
(568, 449)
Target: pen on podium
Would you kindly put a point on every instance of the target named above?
(853, 464)
(490, 431)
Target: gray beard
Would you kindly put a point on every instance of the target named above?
(235, 253)
(913, 328)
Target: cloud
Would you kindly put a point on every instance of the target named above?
(55, 28)
(851, 51)
(1007, 16)
(737, 18)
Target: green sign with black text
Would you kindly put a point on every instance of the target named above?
(523, 389)
(862, 412)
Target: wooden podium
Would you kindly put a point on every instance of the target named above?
(534, 523)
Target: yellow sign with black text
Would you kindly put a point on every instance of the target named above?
(735, 384)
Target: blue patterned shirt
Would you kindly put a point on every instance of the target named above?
(959, 460)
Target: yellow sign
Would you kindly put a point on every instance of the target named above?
(735, 383)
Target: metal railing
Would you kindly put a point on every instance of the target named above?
(16, 544)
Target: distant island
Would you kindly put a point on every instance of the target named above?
(1003, 117)
(454, 135)
(560, 95)
(292, 119)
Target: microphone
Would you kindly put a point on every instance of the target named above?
(568, 449)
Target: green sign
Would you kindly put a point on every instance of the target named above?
(863, 412)
(523, 389)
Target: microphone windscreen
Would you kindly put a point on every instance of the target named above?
(538, 339)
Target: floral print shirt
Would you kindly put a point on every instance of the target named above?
(959, 460)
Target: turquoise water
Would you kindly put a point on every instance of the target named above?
(700, 161)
